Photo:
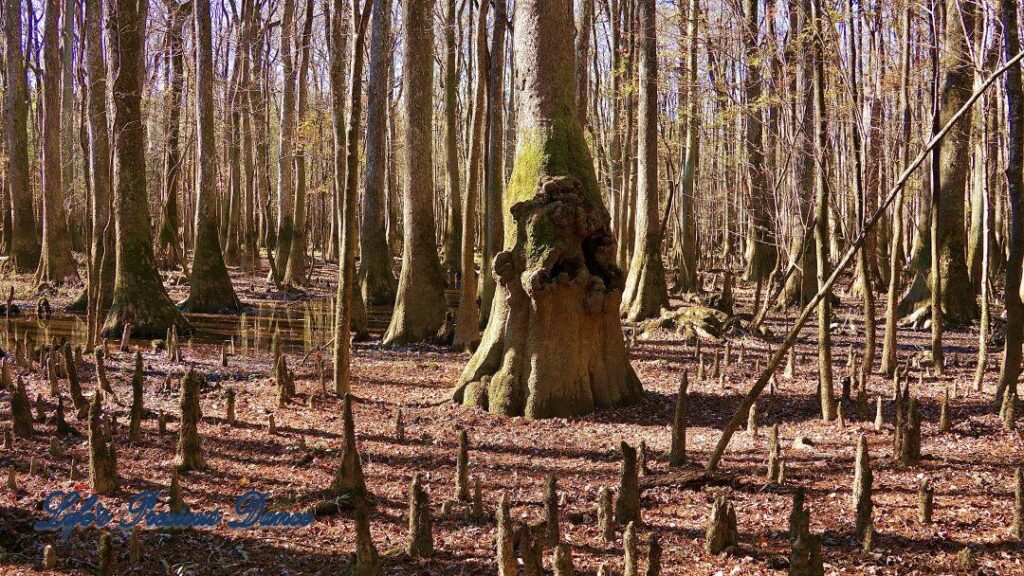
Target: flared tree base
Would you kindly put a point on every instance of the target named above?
(554, 344)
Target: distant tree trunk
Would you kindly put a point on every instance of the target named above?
(376, 279)
(101, 280)
(584, 30)
(452, 256)
(645, 293)
(864, 256)
(959, 300)
(802, 284)
(420, 306)
(346, 138)
(211, 291)
(467, 331)
(242, 109)
(169, 240)
(1011, 367)
(286, 162)
(231, 208)
(67, 105)
(553, 345)
(821, 217)
(762, 254)
(295, 271)
(139, 295)
(494, 234)
(890, 360)
(260, 129)
(687, 279)
(55, 264)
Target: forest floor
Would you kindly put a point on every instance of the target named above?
(971, 467)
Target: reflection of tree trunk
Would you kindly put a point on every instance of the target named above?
(55, 263)
(645, 294)
(1011, 367)
(139, 296)
(959, 302)
(553, 345)
(420, 303)
(211, 286)
(377, 281)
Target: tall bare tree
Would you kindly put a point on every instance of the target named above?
(420, 306)
(376, 278)
(211, 288)
(56, 265)
(139, 294)
(645, 293)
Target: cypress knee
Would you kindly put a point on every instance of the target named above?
(421, 537)
(102, 454)
(552, 529)
(507, 563)
(190, 453)
(462, 468)
(863, 479)
(627, 505)
(721, 533)
(631, 557)
(677, 453)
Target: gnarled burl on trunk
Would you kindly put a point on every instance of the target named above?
(553, 345)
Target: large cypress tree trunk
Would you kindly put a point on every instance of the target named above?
(24, 239)
(376, 279)
(139, 294)
(553, 345)
(420, 303)
(211, 289)
(959, 303)
(645, 293)
(55, 264)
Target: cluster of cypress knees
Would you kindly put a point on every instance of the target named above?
(518, 542)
